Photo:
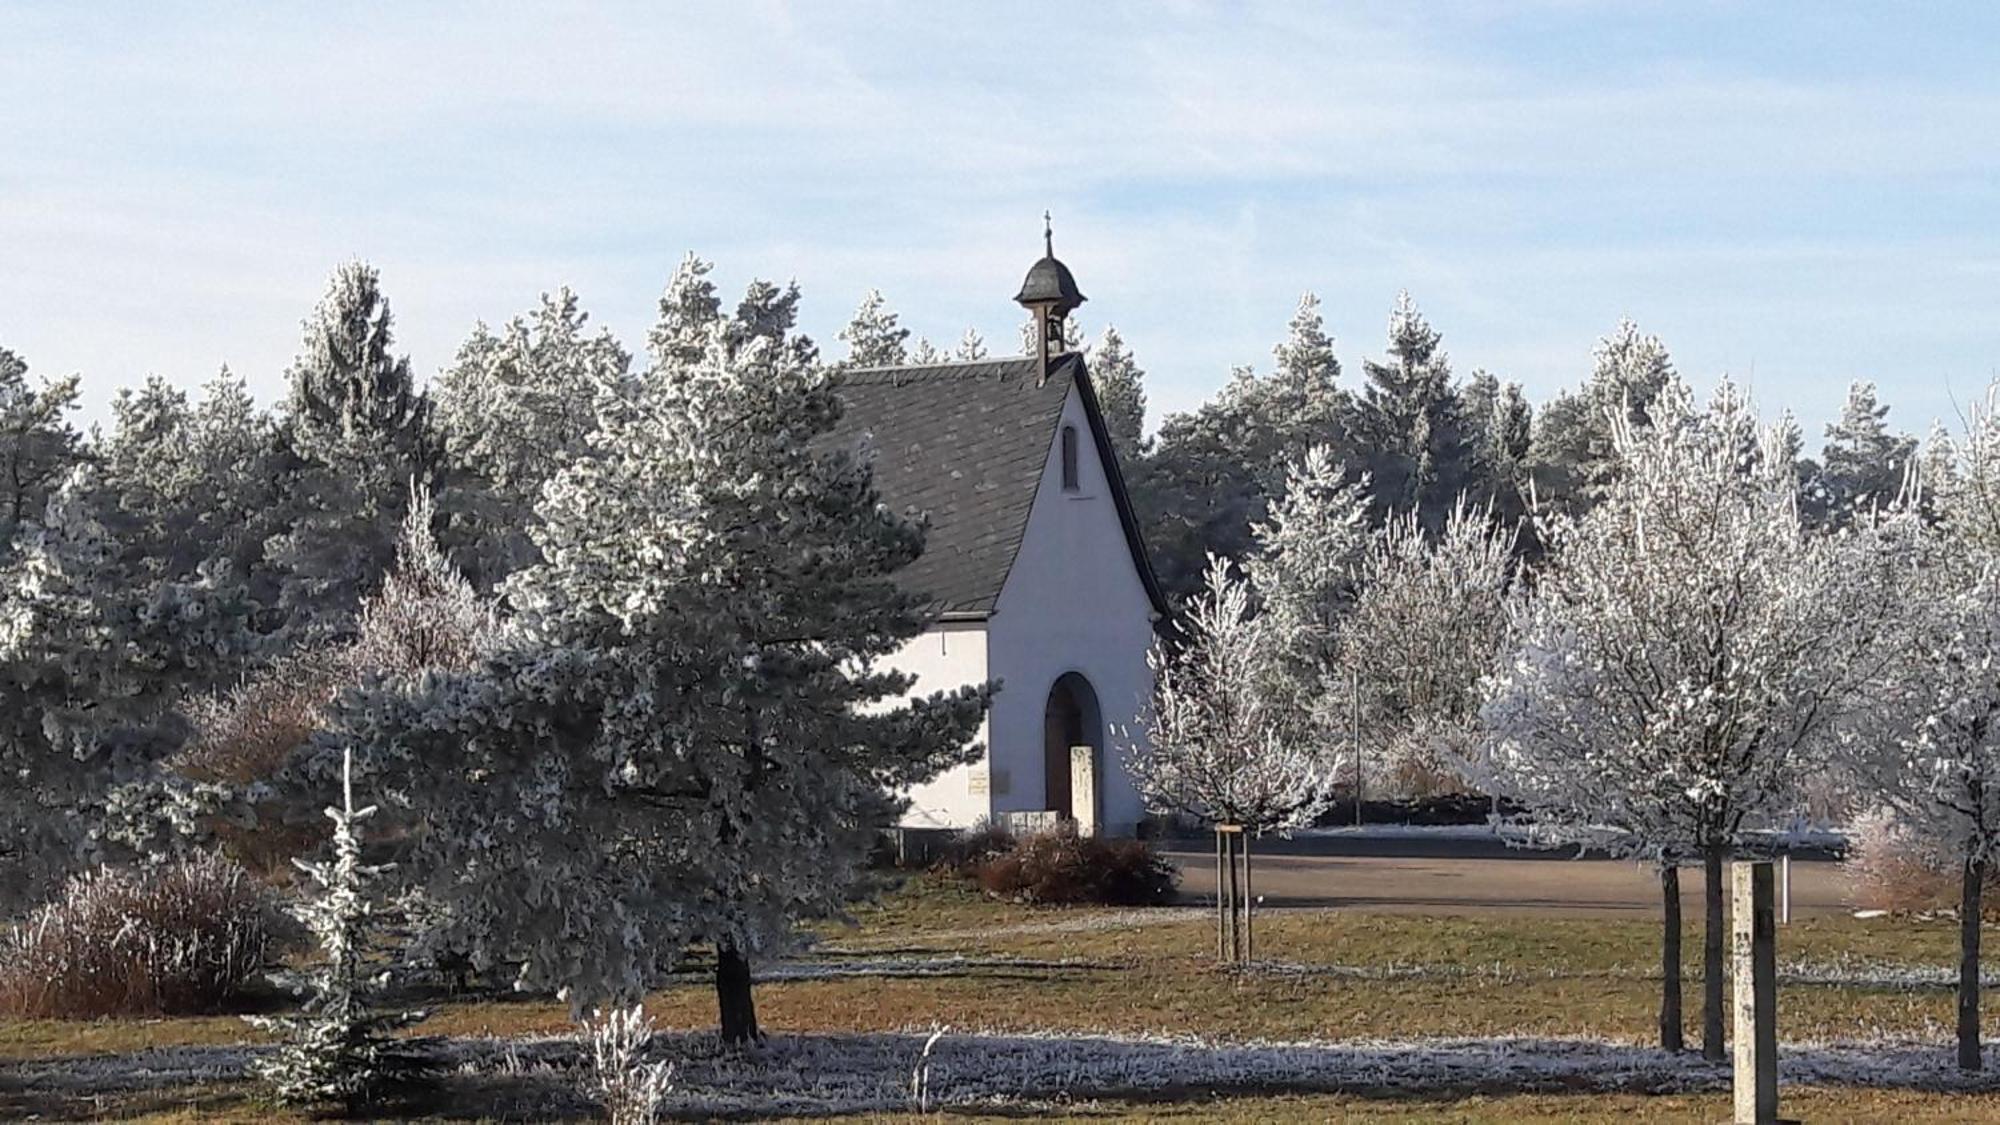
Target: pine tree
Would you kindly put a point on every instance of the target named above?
(971, 346)
(1306, 358)
(340, 1051)
(1121, 394)
(1417, 444)
(1863, 464)
(1572, 457)
(873, 337)
(37, 445)
(96, 649)
(682, 736)
(689, 310)
(359, 430)
(513, 409)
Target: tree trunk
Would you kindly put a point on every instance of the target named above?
(737, 1006)
(1235, 901)
(1670, 958)
(1712, 1047)
(1968, 964)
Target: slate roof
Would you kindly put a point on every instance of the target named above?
(965, 444)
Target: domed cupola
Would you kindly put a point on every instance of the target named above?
(1049, 293)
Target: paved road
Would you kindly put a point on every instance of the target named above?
(1480, 881)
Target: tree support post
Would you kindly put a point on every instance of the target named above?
(1232, 905)
(1754, 950)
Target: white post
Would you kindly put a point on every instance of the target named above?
(1754, 942)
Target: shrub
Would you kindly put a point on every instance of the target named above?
(179, 939)
(1895, 868)
(1060, 868)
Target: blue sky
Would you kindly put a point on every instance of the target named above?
(1794, 197)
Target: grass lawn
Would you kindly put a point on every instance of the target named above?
(1333, 975)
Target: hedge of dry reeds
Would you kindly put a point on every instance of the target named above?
(182, 938)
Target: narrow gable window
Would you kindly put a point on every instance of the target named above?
(1069, 458)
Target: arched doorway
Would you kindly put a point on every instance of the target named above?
(1071, 719)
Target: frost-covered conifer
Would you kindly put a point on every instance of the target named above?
(873, 337)
(1121, 394)
(37, 443)
(1683, 663)
(1863, 465)
(1306, 358)
(1417, 444)
(689, 310)
(339, 1050)
(515, 407)
(1572, 456)
(971, 346)
(1304, 567)
(360, 431)
(686, 734)
(95, 650)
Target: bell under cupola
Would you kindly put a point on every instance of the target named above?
(1049, 293)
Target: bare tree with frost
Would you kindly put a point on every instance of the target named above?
(1227, 743)
(1686, 657)
(1432, 621)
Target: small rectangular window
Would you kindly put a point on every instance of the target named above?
(1069, 458)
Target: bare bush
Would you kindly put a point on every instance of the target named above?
(1896, 868)
(1062, 868)
(621, 1080)
(179, 939)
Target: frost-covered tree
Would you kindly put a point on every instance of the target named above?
(1121, 393)
(1863, 465)
(37, 443)
(95, 650)
(1303, 570)
(359, 431)
(1572, 454)
(1411, 426)
(925, 353)
(687, 733)
(1928, 743)
(1213, 471)
(689, 310)
(186, 486)
(971, 346)
(1306, 358)
(340, 1051)
(1683, 662)
(1226, 742)
(1432, 621)
(873, 337)
(513, 409)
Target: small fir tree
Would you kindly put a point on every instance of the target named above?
(340, 1051)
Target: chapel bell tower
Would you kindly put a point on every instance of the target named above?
(1049, 294)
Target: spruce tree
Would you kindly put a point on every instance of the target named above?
(1121, 394)
(1415, 440)
(340, 1051)
(359, 432)
(37, 444)
(873, 337)
(1863, 464)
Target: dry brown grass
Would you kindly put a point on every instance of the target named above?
(183, 938)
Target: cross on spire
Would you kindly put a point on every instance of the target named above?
(1048, 236)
